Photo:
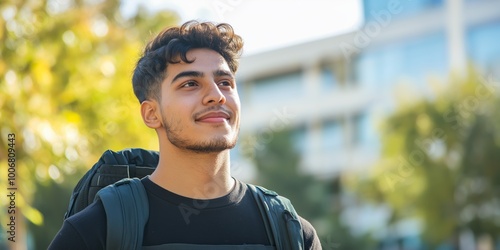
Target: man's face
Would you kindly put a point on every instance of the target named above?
(199, 104)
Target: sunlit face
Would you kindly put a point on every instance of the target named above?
(199, 104)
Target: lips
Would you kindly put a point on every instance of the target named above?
(214, 117)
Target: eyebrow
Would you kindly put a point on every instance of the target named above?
(217, 73)
(221, 72)
(188, 74)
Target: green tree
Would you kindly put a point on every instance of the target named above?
(440, 161)
(316, 200)
(65, 92)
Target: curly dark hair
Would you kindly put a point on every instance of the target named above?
(171, 46)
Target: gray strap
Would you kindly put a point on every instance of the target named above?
(127, 211)
(264, 211)
(282, 220)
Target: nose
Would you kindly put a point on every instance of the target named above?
(214, 95)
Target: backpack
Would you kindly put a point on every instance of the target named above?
(111, 167)
(115, 180)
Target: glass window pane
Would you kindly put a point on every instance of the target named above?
(278, 88)
(482, 45)
(375, 8)
(332, 135)
(413, 59)
(328, 78)
(299, 138)
(363, 130)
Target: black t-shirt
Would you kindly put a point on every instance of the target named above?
(233, 219)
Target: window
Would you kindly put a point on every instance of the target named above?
(335, 74)
(364, 133)
(332, 135)
(482, 46)
(328, 78)
(277, 88)
(373, 8)
(299, 138)
(413, 59)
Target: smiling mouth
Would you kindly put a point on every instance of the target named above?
(214, 117)
(214, 120)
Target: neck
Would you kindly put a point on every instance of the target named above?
(194, 175)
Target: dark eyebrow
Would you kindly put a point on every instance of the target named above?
(188, 74)
(221, 72)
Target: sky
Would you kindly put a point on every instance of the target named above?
(268, 24)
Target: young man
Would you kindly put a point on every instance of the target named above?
(185, 82)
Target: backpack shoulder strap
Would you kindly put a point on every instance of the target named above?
(127, 211)
(282, 222)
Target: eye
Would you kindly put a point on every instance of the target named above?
(225, 83)
(189, 84)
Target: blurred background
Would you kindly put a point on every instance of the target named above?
(377, 118)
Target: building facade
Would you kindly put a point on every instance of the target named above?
(333, 92)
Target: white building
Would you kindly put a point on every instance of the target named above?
(333, 91)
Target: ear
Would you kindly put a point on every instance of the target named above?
(151, 114)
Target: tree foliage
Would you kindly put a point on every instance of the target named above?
(316, 200)
(65, 92)
(440, 161)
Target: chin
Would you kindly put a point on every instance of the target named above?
(212, 144)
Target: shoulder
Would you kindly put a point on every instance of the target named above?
(311, 239)
(84, 230)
